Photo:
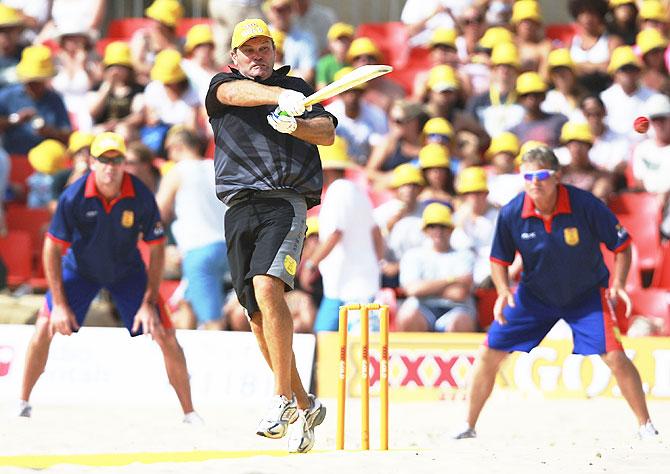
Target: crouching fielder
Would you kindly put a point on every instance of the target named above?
(557, 229)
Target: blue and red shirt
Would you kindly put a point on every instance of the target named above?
(561, 255)
(102, 235)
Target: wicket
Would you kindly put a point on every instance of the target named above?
(365, 374)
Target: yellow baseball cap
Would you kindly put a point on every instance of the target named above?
(9, 16)
(526, 147)
(167, 12)
(106, 142)
(444, 36)
(79, 140)
(312, 226)
(346, 70)
(117, 53)
(278, 37)
(442, 78)
(560, 58)
(472, 179)
(339, 29)
(495, 35)
(623, 56)
(530, 82)
(406, 174)
(650, 39)
(363, 46)
(438, 126)
(433, 155)
(505, 53)
(36, 64)
(618, 3)
(48, 157)
(436, 213)
(526, 10)
(247, 29)
(335, 156)
(505, 142)
(653, 10)
(197, 35)
(576, 131)
(167, 67)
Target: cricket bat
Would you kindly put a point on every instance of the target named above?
(357, 76)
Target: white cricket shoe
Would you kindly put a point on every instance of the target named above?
(647, 431)
(464, 432)
(301, 434)
(24, 409)
(192, 418)
(280, 414)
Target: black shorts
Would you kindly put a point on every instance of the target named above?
(265, 231)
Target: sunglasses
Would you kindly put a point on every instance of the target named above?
(436, 226)
(472, 21)
(540, 175)
(367, 57)
(114, 160)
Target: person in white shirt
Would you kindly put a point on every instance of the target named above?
(350, 243)
(199, 64)
(504, 182)
(422, 17)
(565, 96)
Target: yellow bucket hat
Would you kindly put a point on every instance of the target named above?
(444, 36)
(335, 156)
(312, 226)
(505, 142)
(650, 39)
(560, 58)
(167, 12)
(526, 10)
(346, 70)
(436, 213)
(530, 82)
(472, 179)
(495, 35)
(339, 29)
(108, 141)
(505, 53)
(653, 10)
(197, 35)
(406, 174)
(434, 155)
(9, 16)
(363, 46)
(36, 64)
(117, 53)
(48, 157)
(167, 67)
(526, 147)
(438, 126)
(576, 131)
(623, 56)
(79, 140)
(247, 29)
(442, 78)
(618, 3)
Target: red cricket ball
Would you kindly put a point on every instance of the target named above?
(641, 124)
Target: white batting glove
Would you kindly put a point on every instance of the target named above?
(282, 123)
(291, 102)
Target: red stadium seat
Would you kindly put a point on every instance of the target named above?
(661, 277)
(391, 39)
(21, 169)
(35, 222)
(562, 32)
(186, 24)
(15, 250)
(102, 43)
(486, 299)
(123, 28)
(634, 281)
(653, 302)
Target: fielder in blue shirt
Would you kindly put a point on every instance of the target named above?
(97, 224)
(557, 230)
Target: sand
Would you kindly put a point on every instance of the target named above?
(517, 434)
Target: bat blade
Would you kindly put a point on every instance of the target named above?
(357, 76)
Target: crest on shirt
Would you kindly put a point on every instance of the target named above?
(158, 228)
(290, 265)
(571, 236)
(621, 233)
(127, 219)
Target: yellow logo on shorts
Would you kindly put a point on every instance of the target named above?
(290, 265)
(571, 235)
(127, 218)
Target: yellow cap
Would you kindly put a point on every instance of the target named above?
(505, 142)
(526, 10)
(165, 166)
(335, 156)
(48, 157)
(197, 35)
(505, 53)
(312, 226)
(560, 58)
(653, 10)
(167, 67)
(618, 3)
(576, 131)
(278, 37)
(650, 39)
(438, 126)
(247, 29)
(436, 213)
(117, 53)
(442, 78)
(530, 82)
(495, 35)
(108, 141)
(623, 56)
(445, 36)
(339, 29)
(79, 140)
(406, 174)
(346, 70)
(363, 46)
(36, 64)
(472, 179)
(526, 147)
(167, 12)
(434, 155)
(9, 16)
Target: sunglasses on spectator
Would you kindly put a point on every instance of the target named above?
(540, 175)
(112, 160)
(367, 57)
(437, 137)
(403, 120)
(472, 21)
(436, 226)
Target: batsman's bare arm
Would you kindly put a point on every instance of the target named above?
(317, 130)
(247, 94)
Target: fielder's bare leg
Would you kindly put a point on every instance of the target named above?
(36, 356)
(175, 366)
(628, 379)
(483, 378)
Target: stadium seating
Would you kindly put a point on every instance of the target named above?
(661, 277)
(485, 299)
(35, 222)
(391, 39)
(418, 61)
(653, 302)
(15, 250)
(561, 32)
(634, 281)
(21, 169)
(186, 24)
(123, 28)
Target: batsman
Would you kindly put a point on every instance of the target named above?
(268, 172)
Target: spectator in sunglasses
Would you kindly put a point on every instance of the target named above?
(423, 17)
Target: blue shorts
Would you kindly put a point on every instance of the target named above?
(593, 323)
(127, 295)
